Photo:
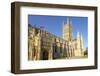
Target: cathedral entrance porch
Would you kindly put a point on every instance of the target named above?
(45, 55)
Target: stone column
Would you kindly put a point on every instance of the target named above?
(50, 56)
(30, 50)
(39, 46)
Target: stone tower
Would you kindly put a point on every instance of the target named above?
(67, 30)
(78, 52)
(78, 41)
(82, 44)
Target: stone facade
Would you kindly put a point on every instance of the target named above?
(43, 45)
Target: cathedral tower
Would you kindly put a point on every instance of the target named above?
(67, 30)
(79, 40)
(82, 43)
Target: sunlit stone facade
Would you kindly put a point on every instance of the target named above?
(43, 45)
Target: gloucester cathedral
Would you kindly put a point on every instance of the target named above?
(43, 45)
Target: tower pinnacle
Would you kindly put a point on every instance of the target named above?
(68, 21)
(82, 44)
(78, 35)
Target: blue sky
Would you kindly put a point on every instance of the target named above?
(54, 24)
